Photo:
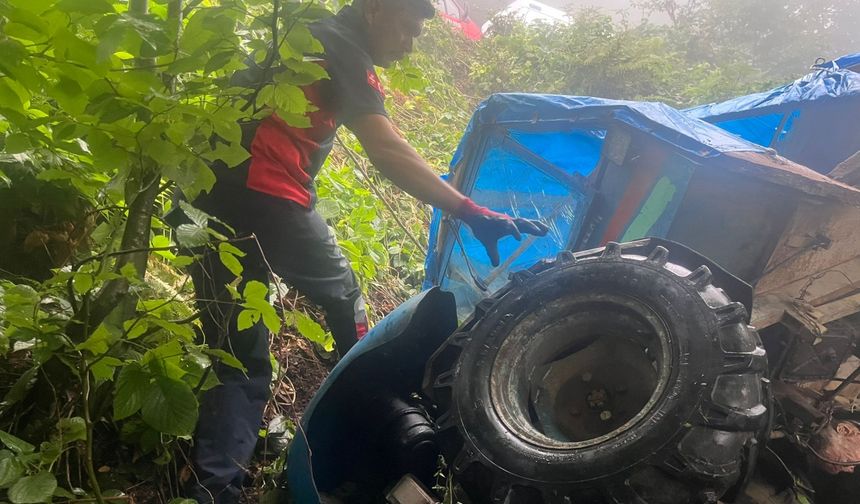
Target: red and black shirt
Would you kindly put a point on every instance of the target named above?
(285, 159)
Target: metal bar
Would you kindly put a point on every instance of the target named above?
(779, 128)
(848, 381)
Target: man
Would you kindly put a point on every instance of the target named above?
(271, 196)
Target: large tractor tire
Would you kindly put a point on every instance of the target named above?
(612, 375)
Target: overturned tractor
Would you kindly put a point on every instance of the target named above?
(614, 360)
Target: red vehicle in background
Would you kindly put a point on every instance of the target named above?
(456, 12)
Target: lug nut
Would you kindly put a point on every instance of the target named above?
(597, 398)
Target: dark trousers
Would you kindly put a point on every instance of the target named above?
(299, 247)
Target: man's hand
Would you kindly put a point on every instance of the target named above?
(399, 162)
(489, 226)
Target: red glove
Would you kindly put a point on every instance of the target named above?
(489, 226)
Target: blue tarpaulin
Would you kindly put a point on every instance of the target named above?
(812, 121)
(530, 156)
(847, 62)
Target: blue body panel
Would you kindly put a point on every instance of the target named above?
(390, 357)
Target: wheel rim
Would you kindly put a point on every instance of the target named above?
(579, 371)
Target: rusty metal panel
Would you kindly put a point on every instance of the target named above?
(817, 263)
(848, 171)
(781, 171)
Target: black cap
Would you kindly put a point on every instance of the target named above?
(423, 7)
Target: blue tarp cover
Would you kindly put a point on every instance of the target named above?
(812, 121)
(664, 121)
(848, 62)
(529, 156)
(820, 85)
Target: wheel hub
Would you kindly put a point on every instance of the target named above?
(583, 376)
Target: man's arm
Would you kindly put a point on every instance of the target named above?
(399, 162)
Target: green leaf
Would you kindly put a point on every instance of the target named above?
(64, 131)
(26, 25)
(218, 61)
(15, 444)
(134, 328)
(106, 155)
(271, 320)
(257, 306)
(327, 208)
(181, 331)
(20, 295)
(109, 40)
(311, 330)
(290, 99)
(131, 385)
(193, 177)
(11, 471)
(232, 155)
(20, 389)
(230, 248)
(305, 72)
(302, 41)
(161, 241)
(230, 262)
(164, 153)
(228, 253)
(82, 282)
(103, 368)
(255, 292)
(9, 97)
(33, 489)
(69, 95)
(112, 109)
(170, 406)
(247, 318)
(16, 143)
(196, 215)
(802, 498)
(166, 359)
(226, 357)
(86, 6)
(50, 451)
(182, 261)
(129, 272)
(149, 35)
(229, 129)
(72, 429)
(101, 339)
(70, 47)
(234, 292)
(192, 235)
(34, 6)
